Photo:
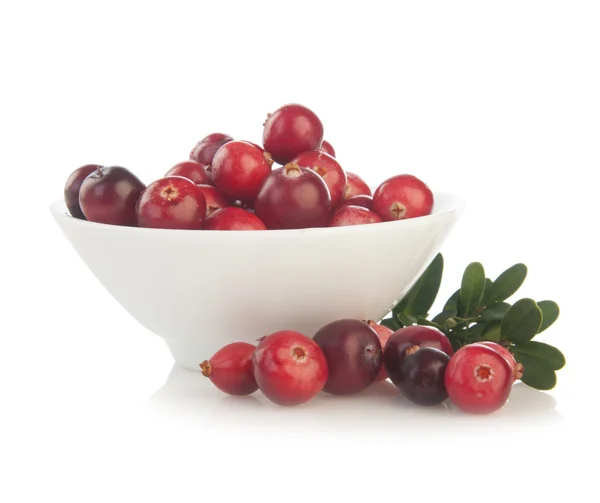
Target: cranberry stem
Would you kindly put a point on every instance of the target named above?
(206, 368)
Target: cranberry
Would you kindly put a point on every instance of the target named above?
(478, 379)
(231, 370)
(173, 202)
(423, 376)
(255, 145)
(353, 353)
(402, 196)
(192, 170)
(109, 196)
(207, 147)
(327, 148)
(384, 334)
(360, 200)
(291, 130)
(290, 368)
(353, 215)
(72, 188)
(328, 168)
(239, 170)
(356, 186)
(514, 365)
(293, 198)
(233, 219)
(214, 200)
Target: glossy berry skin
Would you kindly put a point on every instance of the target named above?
(356, 186)
(172, 202)
(478, 379)
(231, 369)
(192, 170)
(329, 169)
(353, 215)
(327, 148)
(401, 197)
(233, 219)
(289, 367)
(204, 151)
(384, 334)
(423, 376)
(239, 169)
(516, 367)
(353, 352)
(109, 196)
(360, 200)
(72, 188)
(214, 199)
(291, 130)
(293, 198)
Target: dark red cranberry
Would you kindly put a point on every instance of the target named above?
(192, 170)
(384, 334)
(356, 186)
(214, 199)
(239, 169)
(353, 352)
(327, 148)
(328, 168)
(516, 367)
(173, 202)
(231, 370)
(233, 219)
(289, 368)
(291, 130)
(72, 188)
(478, 379)
(207, 147)
(353, 215)
(423, 376)
(109, 196)
(360, 200)
(402, 196)
(293, 198)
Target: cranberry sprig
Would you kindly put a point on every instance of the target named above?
(478, 311)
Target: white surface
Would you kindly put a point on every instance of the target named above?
(497, 101)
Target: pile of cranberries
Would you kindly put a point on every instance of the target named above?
(347, 356)
(292, 182)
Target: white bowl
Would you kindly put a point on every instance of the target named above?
(200, 290)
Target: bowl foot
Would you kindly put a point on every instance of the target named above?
(189, 356)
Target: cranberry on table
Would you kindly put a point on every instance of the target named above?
(327, 148)
(326, 166)
(231, 369)
(423, 376)
(353, 215)
(291, 130)
(172, 202)
(72, 188)
(207, 147)
(353, 352)
(192, 170)
(109, 195)
(233, 219)
(514, 365)
(384, 334)
(360, 200)
(478, 379)
(356, 186)
(402, 196)
(289, 367)
(214, 199)
(293, 198)
(239, 169)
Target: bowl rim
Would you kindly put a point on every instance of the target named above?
(452, 204)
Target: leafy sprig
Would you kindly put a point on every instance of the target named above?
(478, 311)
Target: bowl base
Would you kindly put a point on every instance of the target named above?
(189, 356)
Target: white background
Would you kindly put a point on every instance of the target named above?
(496, 101)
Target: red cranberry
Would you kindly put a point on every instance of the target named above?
(353, 215)
(192, 170)
(402, 196)
(214, 200)
(423, 376)
(233, 219)
(72, 188)
(384, 334)
(173, 202)
(290, 368)
(293, 198)
(231, 370)
(327, 148)
(291, 130)
(328, 168)
(207, 147)
(109, 196)
(239, 170)
(356, 186)
(514, 365)
(353, 353)
(255, 144)
(478, 379)
(360, 200)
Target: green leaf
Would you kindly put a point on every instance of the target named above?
(475, 332)
(492, 333)
(547, 354)
(472, 287)
(391, 323)
(443, 316)
(406, 320)
(506, 284)
(550, 312)
(427, 323)
(537, 373)
(456, 345)
(495, 312)
(419, 299)
(451, 304)
(522, 321)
